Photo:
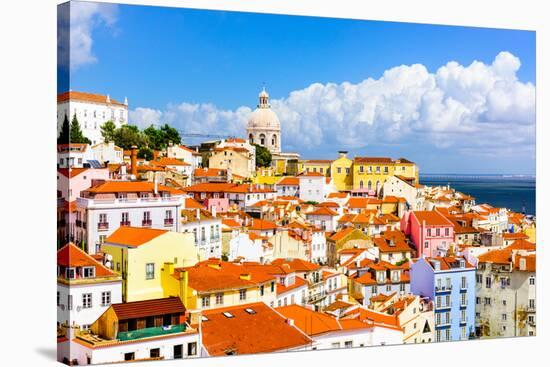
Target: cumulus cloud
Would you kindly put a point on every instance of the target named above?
(76, 23)
(477, 109)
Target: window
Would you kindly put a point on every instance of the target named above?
(335, 345)
(272, 287)
(487, 301)
(192, 349)
(488, 282)
(261, 290)
(339, 169)
(446, 232)
(479, 278)
(206, 301)
(58, 301)
(429, 232)
(348, 344)
(103, 218)
(532, 281)
(70, 273)
(504, 317)
(129, 356)
(88, 272)
(463, 300)
(426, 244)
(87, 300)
(106, 298)
(463, 332)
(438, 232)
(242, 294)
(219, 298)
(70, 302)
(463, 283)
(154, 353)
(150, 271)
(374, 289)
(531, 303)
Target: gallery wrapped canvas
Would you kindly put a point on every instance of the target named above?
(235, 183)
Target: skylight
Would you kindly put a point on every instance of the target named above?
(228, 315)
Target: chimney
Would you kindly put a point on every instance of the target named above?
(133, 161)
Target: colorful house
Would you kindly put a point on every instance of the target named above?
(138, 254)
(450, 282)
(341, 172)
(431, 232)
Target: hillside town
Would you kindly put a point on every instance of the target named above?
(234, 246)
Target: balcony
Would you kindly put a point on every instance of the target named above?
(463, 322)
(444, 307)
(168, 222)
(103, 226)
(128, 202)
(125, 223)
(150, 332)
(146, 223)
(463, 305)
(443, 289)
(317, 297)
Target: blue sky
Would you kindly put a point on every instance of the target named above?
(216, 62)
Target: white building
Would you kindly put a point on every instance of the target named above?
(73, 155)
(288, 186)
(328, 332)
(323, 218)
(396, 186)
(188, 155)
(207, 231)
(263, 126)
(312, 186)
(318, 246)
(250, 247)
(92, 111)
(85, 288)
(104, 208)
(108, 152)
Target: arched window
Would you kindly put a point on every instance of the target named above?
(377, 186)
(262, 139)
(251, 138)
(369, 186)
(360, 184)
(274, 140)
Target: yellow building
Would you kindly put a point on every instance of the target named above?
(215, 284)
(370, 173)
(138, 254)
(341, 172)
(237, 160)
(317, 165)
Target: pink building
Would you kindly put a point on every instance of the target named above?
(430, 231)
(71, 181)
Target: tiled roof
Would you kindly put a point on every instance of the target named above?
(191, 203)
(252, 328)
(297, 265)
(86, 97)
(153, 307)
(210, 172)
(289, 181)
(323, 210)
(262, 225)
(373, 160)
(71, 172)
(431, 218)
(134, 236)
(72, 256)
(129, 186)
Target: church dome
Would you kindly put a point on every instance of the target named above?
(263, 117)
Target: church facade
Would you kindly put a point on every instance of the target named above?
(264, 129)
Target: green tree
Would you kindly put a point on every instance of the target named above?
(161, 137)
(76, 135)
(108, 131)
(128, 135)
(145, 153)
(263, 156)
(64, 134)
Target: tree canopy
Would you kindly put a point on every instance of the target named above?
(160, 138)
(128, 135)
(108, 131)
(263, 156)
(75, 134)
(64, 134)
(145, 153)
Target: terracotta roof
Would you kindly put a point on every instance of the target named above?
(72, 256)
(323, 210)
(377, 318)
(372, 160)
(214, 275)
(153, 307)
(71, 172)
(165, 161)
(311, 174)
(289, 181)
(431, 218)
(391, 245)
(231, 223)
(134, 236)
(262, 225)
(515, 236)
(72, 147)
(341, 234)
(191, 203)
(298, 282)
(448, 262)
(530, 264)
(297, 265)
(260, 330)
(504, 256)
(129, 186)
(360, 202)
(318, 161)
(309, 321)
(86, 97)
(337, 195)
(227, 187)
(210, 172)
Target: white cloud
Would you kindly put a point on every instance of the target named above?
(84, 18)
(477, 109)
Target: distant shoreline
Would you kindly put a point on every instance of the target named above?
(479, 175)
